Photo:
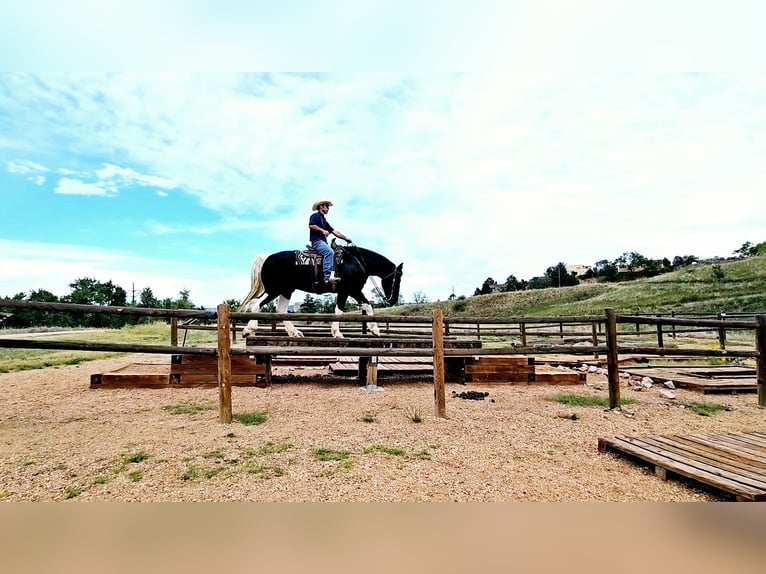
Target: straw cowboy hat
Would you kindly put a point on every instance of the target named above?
(321, 202)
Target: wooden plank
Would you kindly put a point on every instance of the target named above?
(503, 360)
(675, 450)
(715, 460)
(713, 456)
(495, 368)
(500, 378)
(731, 451)
(559, 378)
(625, 446)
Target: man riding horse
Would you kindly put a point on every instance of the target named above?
(319, 230)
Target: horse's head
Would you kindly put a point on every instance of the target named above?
(391, 284)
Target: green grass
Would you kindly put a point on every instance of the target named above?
(135, 476)
(137, 457)
(272, 448)
(188, 408)
(193, 472)
(587, 401)
(414, 414)
(251, 418)
(72, 492)
(394, 451)
(326, 454)
(706, 409)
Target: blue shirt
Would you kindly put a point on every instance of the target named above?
(319, 220)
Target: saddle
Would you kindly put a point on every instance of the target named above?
(311, 257)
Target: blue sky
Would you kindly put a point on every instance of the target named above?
(507, 139)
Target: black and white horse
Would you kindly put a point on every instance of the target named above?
(280, 274)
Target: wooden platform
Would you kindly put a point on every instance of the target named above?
(706, 379)
(186, 371)
(514, 370)
(734, 463)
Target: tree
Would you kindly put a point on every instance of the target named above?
(147, 299)
(308, 305)
(606, 270)
(684, 260)
(540, 282)
(559, 277)
(512, 284)
(488, 286)
(746, 250)
(419, 297)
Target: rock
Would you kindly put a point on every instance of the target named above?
(669, 385)
(647, 382)
(668, 394)
(593, 369)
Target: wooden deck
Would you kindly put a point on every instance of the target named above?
(714, 379)
(733, 463)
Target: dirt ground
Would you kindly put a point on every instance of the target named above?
(62, 441)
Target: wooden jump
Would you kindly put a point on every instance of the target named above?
(734, 463)
(186, 371)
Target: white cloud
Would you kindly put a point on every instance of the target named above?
(67, 186)
(25, 167)
(125, 176)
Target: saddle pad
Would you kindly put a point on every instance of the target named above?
(308, 258)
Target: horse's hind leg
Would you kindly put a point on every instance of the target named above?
(255, 307)
(282, 305)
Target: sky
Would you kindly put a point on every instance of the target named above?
(168, 144)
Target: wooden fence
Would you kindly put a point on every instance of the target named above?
(604, 327)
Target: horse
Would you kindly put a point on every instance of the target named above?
(281, 273)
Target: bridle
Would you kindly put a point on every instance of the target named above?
(360, 260)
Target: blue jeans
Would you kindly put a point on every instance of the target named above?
(328, 261)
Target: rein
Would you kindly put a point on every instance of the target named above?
(360, 260)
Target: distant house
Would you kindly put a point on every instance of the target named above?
(578, 270)
(4, 316)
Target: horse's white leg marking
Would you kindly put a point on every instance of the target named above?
(252, 325)
(282, 306)
(335, 327)
(367, 308)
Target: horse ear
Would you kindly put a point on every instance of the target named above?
(399, 267)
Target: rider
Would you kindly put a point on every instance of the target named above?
(320, 229)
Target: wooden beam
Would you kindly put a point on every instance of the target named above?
(224, 364)
(439, 394)
(612, 359)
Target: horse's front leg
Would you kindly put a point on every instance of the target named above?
(373, 327)
(340, 307)
(282, 305)
(367, 308)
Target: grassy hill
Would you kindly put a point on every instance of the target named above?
(729, 287)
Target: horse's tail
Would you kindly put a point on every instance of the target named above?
(256, 284)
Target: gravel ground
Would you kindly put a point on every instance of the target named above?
(61, 440)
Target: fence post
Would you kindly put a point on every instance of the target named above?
(722, 332)
(612, 359)
(760, 344)
(660, 342)
(438, 341)
(523, 333)
(173, 330)
(224, 364)
(594, 333)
